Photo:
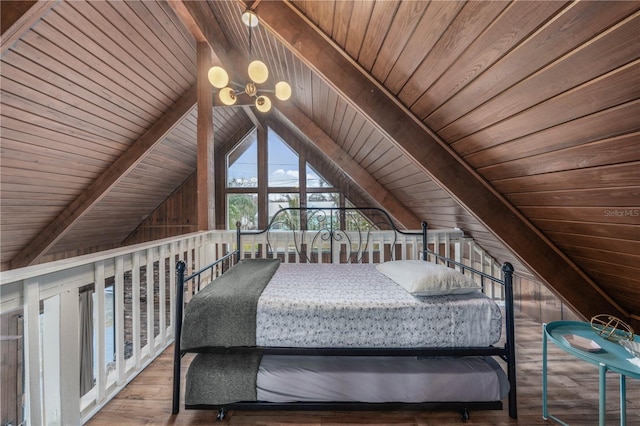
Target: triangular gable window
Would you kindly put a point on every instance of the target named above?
(315, 180)
(242, 163)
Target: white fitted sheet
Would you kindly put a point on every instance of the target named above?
(355, 305)
(293, 378)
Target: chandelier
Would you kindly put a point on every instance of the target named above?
(258, 73)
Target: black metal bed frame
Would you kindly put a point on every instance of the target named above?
(330, 232)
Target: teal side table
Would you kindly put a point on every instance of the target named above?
(612, 357)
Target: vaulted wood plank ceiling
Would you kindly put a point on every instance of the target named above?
(536, 102)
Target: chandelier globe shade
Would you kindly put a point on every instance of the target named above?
(218, 77)
(228, 96)
(249, 18)
(283, 90)
(258, 74)
(263, 104)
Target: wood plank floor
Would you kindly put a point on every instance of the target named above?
(573, 397)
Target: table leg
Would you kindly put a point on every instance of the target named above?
(603, 394)
(623, 400)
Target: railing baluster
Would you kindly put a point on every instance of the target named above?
(162, 293)
(118, 318)
(151, 334)
(101, 378)
(135, 308)
(32, 351)
(172, 288)
(69, 347)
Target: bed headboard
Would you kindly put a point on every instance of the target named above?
(334, 234)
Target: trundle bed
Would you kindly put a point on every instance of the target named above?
(349, 335)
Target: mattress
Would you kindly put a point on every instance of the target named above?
(214, 379)
(355, 305)
(380, 379)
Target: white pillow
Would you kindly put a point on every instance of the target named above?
(421, 278)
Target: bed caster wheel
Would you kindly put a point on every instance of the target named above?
(465, 415)
(221, 414)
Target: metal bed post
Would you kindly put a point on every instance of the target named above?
(507, 270)
(177, 356)
(238, 224)
(425, 247)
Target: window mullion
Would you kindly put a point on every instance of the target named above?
(263, 179)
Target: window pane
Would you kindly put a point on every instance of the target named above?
(357, 221)
(283, 167)
(242, 163)
(323, 199)
(242, 208)
(319, 219)
(314, 180)
(289, 220)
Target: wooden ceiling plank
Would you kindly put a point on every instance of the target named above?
(58, 146)
(566, 166)
(167, 35)
(619, 120)
(360, 16)
(517, 22)
(622, 197)
(109, 178)
(402, 28)
(62, 102)
(437, 18)
(574, 25)
(47, 117)
(325, 12)
(137, 39)
(613, 48)
(362, 140)
(102, 53)
(440, 163)
(50, 80)
(18, 17)
(80, 74)
(113, 36)
(610, 90)
(470, 22)
(381, 17)
(615, 215)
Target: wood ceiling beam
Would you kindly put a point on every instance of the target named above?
(106, 181)
(205, 161)
(436, 159)
(18, 16)
(351, 168)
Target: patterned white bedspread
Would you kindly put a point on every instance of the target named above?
(338, 305)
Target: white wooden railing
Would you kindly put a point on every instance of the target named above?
(48, 296)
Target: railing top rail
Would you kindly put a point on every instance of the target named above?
(19, 274)
(32, 271)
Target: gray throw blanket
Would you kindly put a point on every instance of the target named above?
(218, 379)
(224, 312)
